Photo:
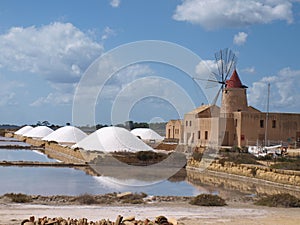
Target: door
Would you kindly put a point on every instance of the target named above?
(225, 141)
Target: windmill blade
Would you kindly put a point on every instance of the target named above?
(231, 64)
(226, 62)
(210, 83)
(216, 97)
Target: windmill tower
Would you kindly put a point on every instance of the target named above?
(234, 96)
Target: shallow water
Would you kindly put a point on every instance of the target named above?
(70, 181)
(23, 155)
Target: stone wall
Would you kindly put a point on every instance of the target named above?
(253, 171)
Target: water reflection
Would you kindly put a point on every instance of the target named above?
(229, 185)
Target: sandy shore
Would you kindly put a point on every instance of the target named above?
(234, 214)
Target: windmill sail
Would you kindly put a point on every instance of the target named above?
(226, 62)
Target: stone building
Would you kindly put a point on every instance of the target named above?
(235, 123)
(174, 130)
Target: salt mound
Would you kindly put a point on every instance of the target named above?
(147, 134)
(23, 130)
(111, 139)
(67, 134)
(38, 132)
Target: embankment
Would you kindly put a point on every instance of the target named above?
(286, 177)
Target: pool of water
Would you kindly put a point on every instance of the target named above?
(69, 181)
(23, 155)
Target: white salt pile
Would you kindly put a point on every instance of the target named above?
(147, 134)
(38, 132)
(66, 135)
(23, 130)
(111, 139)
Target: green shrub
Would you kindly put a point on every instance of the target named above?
(208, 200)
(148, 155)
(197, 156)
(18, 198)
(86, 199)
(239, 158)
(279, 200)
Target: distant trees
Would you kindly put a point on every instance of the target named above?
(44, 123)
(98, 126)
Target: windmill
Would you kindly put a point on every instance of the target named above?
(226, 63)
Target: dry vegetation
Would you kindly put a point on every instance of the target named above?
(279, 200)
(208, 200)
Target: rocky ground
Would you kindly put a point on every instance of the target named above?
(139, 209)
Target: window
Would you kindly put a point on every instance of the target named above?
(273, 123)
(206, 135)
(261, 123)
(190, 123)
(186, 123)
(176, 131)
(199, 133)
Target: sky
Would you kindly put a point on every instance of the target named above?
(55, 55)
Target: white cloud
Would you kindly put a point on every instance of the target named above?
(115, 3)
(54, 99)
(108, 32)
(285, 92)
(213, 14)
(7, 91)
(240, 38)
(124, 77)
(59, 51)
(249, 70)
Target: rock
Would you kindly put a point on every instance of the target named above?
(128, 223)
(161, 220)
(124, 194)
(119, 220)
(173, 221)
(130, 218)
(28, 223)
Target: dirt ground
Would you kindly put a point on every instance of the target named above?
(233, 214)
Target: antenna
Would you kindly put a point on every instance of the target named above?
(267, 115)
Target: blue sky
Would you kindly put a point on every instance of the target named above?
(46, 47)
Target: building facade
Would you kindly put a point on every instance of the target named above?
(234, 123)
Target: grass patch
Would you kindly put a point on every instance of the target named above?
(86, 199)
(208, 200)
(18, 198)
(279, 200)
(287, 164)
(239, 158)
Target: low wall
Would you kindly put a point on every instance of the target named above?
(253, 171)
(63, 151)
(9, 134)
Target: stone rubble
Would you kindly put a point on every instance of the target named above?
(160, 220)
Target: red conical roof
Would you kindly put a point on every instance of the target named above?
(234, 81)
